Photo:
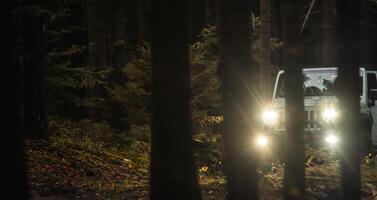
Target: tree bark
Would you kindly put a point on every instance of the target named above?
(348, 95)
(328, 32)
(239, 105)
(265, 50)
(173, 173)
(106, 36)
(143, 20)
(96, 32)
(276, 32)
(35, 110)
(294, 176)
(196, 18)
(13, 178)
(210, 12)
(107, 48)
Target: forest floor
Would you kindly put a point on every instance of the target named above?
(81, 161)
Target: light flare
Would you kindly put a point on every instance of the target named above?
(261, 141)
(270, 117)
(331, 139)
(329, 115)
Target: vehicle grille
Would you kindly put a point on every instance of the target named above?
(313, 118)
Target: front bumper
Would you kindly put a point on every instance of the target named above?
(313, 137)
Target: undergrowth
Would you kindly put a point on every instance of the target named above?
(86, 156)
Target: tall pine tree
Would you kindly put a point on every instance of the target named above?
(294, 176)
(173, 173)
(348, 95)
(239, 104)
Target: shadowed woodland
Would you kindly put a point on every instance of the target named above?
(148, 99)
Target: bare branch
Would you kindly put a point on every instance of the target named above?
(307, 16)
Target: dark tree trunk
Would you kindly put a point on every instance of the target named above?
(96, 33)
(173, 173)
(276, 31)
(116, 38)
(196, 18)
(35, 110)
(136, 22)
(13, 179)
(210, 12)
(255, 7)
(348, 95)
(143, 20)
(265, 50)
(294, 179)
(234, 30)
(106, 36)
(107, 48)
(368, 32)
(328, 32)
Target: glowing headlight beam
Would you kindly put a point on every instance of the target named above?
(329, 115)
(331, 139)
(261, 141)
(269, 117)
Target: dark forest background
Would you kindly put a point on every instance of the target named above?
(91, 59)
(85, 83)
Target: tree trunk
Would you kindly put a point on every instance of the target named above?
(276, 32)
(106, 35)
(239, 104)
(35, 110)
(294, 179)
(196, 18)
(173, 173)
(143, 20)
(328, 32)
(136, 22)
(210, 12)
(13, 178)
(348, 95)
(96, 33)
(107, 48)
(265, 50)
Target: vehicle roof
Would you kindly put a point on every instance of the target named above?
(318, 68)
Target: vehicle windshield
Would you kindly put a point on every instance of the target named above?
(316, 83)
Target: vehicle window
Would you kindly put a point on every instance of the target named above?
(372, 81)
(316, 83)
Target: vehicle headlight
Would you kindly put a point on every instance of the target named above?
(261, 141)
(329, 115)
(331, 139)
(269, 117)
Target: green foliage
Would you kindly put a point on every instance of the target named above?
(66, 86)
(75, 89)
(205, 83)
(67, 76)
(138, 88)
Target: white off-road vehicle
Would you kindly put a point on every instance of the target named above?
(321, 109)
